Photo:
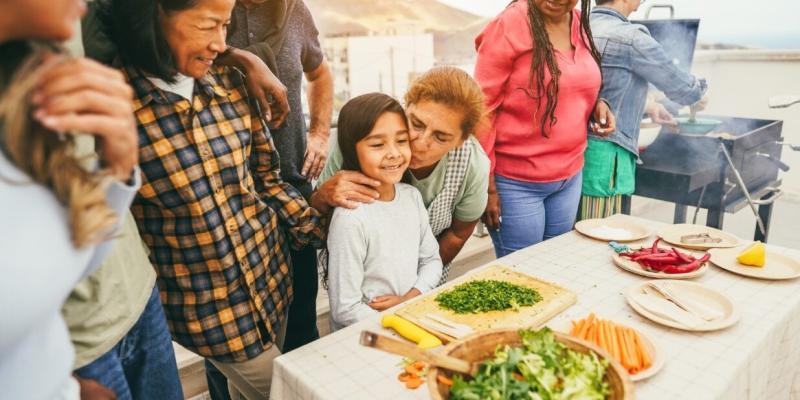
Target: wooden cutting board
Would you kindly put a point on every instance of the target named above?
(555, 299)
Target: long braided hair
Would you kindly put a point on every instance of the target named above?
(543, 57)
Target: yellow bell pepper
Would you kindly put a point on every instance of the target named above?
(754, 256)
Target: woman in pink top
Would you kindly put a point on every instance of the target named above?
(539, 124)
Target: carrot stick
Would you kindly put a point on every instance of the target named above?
(630, 342)
(576, 327)
(626, 355)
(603, 339)
(647, 362)
(583, 332)
(614, 350)
(594, 336)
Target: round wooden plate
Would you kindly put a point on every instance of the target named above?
(593, 228)
(776, 267)
(673, 233)
(656, 354)
(697, 293)
(636, 268)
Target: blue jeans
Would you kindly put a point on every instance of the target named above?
(532, 212)
(142, 365)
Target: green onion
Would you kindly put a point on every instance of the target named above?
(487, 295)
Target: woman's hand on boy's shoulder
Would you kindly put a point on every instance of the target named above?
(345, 189)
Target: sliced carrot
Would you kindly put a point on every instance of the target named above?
(625, 353)
(603, 338)
(414, 383)
(516, 375)
(631, 347)
(409, 368)
(612, 332)
(419, 365)
(587, 323)
(404, 376)
(647, 361)
(576, 327)
(444, 380)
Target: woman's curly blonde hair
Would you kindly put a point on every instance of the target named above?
(454, 88)
(49, 158)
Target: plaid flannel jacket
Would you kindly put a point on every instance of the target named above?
(216, 216)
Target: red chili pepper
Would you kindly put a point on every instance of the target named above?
(682, 269)
(669, 257)
(654, 247)
(685, 258)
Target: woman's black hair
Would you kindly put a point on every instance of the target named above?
(544, 57)
(356, 120)
(137, 34)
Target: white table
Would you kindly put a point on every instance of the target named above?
(758, 358)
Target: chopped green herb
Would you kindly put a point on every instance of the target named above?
(542, 368)
(487, 295)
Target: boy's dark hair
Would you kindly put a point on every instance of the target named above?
(139, 39)
(356, 120)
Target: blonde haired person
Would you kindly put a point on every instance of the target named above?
(55, 215)
(444, 107)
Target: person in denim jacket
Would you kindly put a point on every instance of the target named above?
(631, 61)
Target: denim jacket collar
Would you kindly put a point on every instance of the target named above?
(609, 11)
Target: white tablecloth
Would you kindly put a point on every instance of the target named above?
(758, 358)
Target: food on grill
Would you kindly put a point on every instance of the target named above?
(542, 368)
(621, 342)
(487, 295)
(700, 238)
(721, 135)
(672, 261)
(753, 256)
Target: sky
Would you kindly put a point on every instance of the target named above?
(767, 24)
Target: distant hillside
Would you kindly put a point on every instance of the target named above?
(454, 30)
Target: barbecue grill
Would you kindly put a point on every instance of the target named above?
(693, 170)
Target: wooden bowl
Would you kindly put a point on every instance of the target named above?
(481, 346)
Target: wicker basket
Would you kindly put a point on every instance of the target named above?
(481, 346)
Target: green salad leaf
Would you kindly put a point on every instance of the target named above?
(542, 369)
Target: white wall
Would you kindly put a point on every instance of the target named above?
(741, 81)
(387, 63)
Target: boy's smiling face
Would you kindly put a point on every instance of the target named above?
(384, 153)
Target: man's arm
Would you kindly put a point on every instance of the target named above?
(260, 81)
(320, 104)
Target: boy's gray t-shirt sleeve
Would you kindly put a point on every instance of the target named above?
(347, 252)
(429, 268)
